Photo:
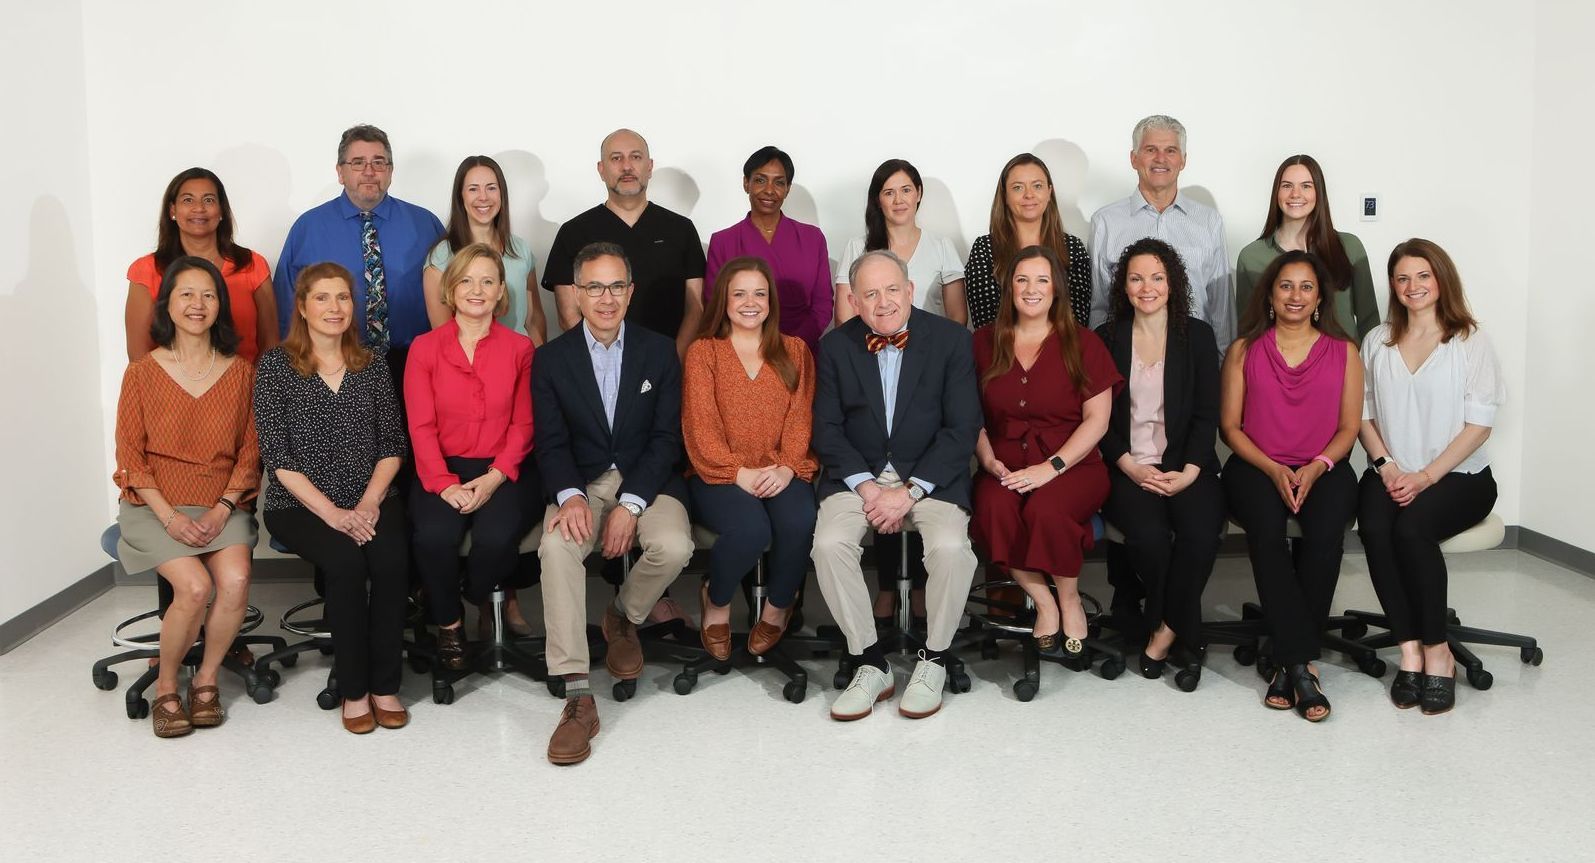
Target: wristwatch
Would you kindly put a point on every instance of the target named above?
(635, 510)
(1057, 463)
(915, 492)
(1380, 462)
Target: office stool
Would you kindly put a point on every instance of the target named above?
(146, 646)
(504, 652)
(1483, 536)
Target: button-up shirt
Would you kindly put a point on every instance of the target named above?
(470, 408)
(606, 360)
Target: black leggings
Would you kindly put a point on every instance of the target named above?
(1172, 543)
(1295, 590)
(496, 531)
(367, 623)
(1403, 547)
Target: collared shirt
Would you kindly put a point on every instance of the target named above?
(1194, 229)
(472, 408)
(331, 232)
(606, 360)
(889, 360)
(662, 247)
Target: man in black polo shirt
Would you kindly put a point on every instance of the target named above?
(663, 248)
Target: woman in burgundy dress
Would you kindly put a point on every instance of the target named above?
(1047, 387)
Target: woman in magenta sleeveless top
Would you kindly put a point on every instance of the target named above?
(1292, 406)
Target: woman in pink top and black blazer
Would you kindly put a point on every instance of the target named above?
(1291, 408)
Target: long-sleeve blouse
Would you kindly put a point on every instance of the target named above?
(730, 421)
(802, 265)
(470, 408)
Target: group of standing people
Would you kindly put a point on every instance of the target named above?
(792, 412)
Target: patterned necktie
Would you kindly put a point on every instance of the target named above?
(875, 342)
(376, 284)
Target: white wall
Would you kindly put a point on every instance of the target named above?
(56, 482)
(1556, 402)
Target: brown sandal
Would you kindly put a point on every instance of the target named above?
(208, 713)
(170, 721)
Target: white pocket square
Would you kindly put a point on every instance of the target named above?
(646, 386)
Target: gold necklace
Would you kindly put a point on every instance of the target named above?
(182, 367)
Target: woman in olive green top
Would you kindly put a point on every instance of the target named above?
(1298, 218)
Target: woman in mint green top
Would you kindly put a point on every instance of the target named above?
(1298, 218)
(479, 213)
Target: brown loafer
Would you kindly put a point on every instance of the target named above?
(365, 723)
(208, 713)
(578, 724)
(390, 718)
(764, 636)
(624, 656)
(172, 720)
(717, 637)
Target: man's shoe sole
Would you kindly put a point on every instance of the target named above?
(887, 693)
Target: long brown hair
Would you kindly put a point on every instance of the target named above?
(458, 233)
(1005, 234)
(169, 240)
(1450, 309)
(1061, 317)
(1255, 318)
(301, 353)
(1319, 232)
(717, 323)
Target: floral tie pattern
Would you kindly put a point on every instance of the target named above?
(376, 284)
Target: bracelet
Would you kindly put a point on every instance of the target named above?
(169, 520)
(231, 507)
(1425, 473)
(1328, 462)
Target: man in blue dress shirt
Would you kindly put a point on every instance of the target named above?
(382, 240)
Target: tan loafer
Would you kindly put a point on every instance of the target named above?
(716, 637)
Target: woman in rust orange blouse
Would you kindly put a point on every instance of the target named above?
(747, 410)
(187, 461)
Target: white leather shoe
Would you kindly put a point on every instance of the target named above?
(922, 697)
(870, 685)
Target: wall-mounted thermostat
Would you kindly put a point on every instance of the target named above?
(1370, 207)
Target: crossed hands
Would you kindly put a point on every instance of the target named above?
(197, 533)
(1293, 485)
(469, 497)
(1403, 486)
(763, 482)
(1167, 483)
(885, 508)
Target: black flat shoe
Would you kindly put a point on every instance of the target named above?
(1075, 655)
(1309, 693)
(1151, 668)
(1278, 688)
(1439, 694)
(1050, 645)
(1406, 689)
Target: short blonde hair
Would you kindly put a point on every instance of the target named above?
(456, 271)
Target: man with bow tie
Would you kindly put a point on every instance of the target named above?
(896, 415)
(607, 399)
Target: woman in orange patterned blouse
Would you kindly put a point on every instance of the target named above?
(187, 462)
(747, 410)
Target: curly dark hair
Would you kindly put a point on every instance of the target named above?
(1119, 308)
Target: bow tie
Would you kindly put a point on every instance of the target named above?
(875, 342)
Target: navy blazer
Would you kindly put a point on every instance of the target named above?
(572, 439)
(937, 417)
(1190, 396)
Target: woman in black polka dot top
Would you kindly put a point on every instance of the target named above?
(1023, 213)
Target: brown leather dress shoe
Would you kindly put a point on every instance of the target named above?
(207, 713)
(764, 636)
(365, 723)
(716, 637)
(624, 656)
(577, 725)
(390, 718)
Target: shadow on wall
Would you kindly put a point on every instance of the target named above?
(800, 206)
(938, 214)
(52, 313)
(257, 180)
(1069, 166)
(676, 190)
(527, 179)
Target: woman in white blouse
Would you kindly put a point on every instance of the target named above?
(1432, 389)
(890, 211)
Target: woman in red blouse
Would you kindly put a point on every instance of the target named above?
(467, 390)
(1047, 388)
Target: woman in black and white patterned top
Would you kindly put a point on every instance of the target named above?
(1023, 213)
(332, 440)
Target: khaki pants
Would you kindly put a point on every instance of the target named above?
(666, 539)
(949, 563)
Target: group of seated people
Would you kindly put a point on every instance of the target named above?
(393, 422)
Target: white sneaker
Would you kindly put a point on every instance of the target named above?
(923, 695)
(870, 685)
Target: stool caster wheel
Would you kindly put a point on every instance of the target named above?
(1265, 668)
(105, 679)
(841, 679)
(1530, 656)
(1025, 690)
(326, 699)
(1372, 667)
(1355, 631)
(260, 693)
(625, 689)
(419, 665)
(795, 691)
(326, 651)
(1110, 668)
(1481, 679)
(988, 650)
(1187, 679)
(138, 709)
(684, 682)
(1245, 654)
(291, 661)
(723, 668)
(270, 678)
(556, 687)
(958, 681)
(442, 693)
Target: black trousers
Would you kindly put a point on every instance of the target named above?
(1172, 544)
(1403, 547)
(496, 531)
(1295, 590)
(366, 590)
(746, 526)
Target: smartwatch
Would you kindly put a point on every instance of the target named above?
(1380, 462)
(635, 510)
(1057, 463)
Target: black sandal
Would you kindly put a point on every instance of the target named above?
(1407, 689)
(1439, 694)
(1278, 688)
(1309, 693)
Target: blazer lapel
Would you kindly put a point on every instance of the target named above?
(1174, 387)
(632, 366)
(581, 371)
(1123, 354)
(868, 370)
(908, 373)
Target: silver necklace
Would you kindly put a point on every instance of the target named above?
(182, 367)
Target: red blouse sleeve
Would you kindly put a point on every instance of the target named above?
(422, 414)
(518, 437)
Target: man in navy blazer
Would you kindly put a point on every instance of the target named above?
(607, 403)
(896, 415)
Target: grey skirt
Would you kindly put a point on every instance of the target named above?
(144, 544)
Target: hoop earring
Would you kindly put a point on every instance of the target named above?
(1315, 316)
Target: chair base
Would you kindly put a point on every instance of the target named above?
(1007, 621)
(1458, 637)
(138, 707)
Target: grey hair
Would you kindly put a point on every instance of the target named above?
(1157, 123)
(888, 254)
(603, 146)
(594, 251)
(363, 132)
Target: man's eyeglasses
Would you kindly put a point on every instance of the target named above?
(378, 164)
(597, 289)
